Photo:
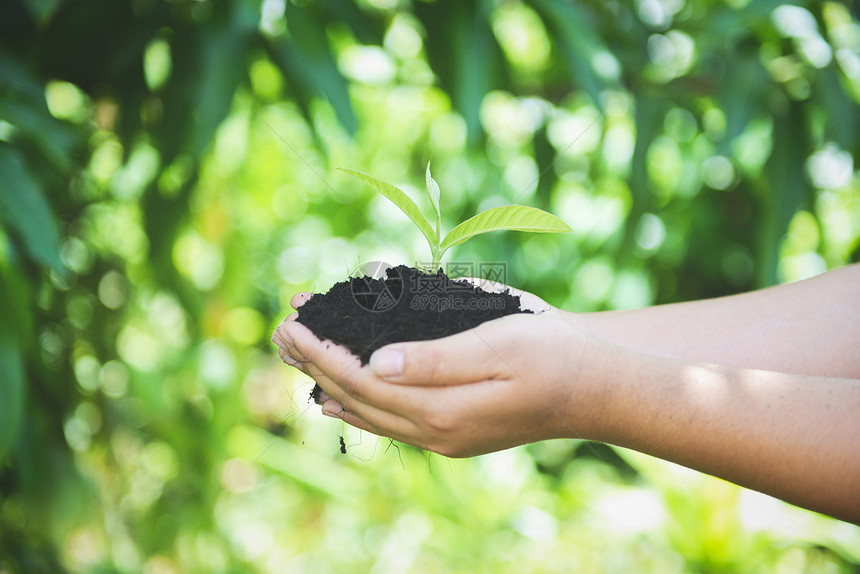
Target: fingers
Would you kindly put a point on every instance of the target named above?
(285, 345)
(278, 337)
(300, 299)
(331, 408)
(337, 403)
(322, 397)
(339, 374)
(286, 358)
(334, 410)
(348, 392)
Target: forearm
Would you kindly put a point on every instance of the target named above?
(809, 327)
(795, 437)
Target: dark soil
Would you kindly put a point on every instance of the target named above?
(364, 314)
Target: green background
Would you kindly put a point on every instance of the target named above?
(168, 181)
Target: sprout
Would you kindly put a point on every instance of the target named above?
(512, 217)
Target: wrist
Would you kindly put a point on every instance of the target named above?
(585, 379)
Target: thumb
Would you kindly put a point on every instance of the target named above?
(459, 359)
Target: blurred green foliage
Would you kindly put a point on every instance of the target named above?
(167, 183)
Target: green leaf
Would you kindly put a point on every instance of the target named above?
(789, 189)
(465, 54)
(508, 217)
(651, 110)
(18, 80)
(575, 36)
(840, 124)
(11, 359)
(743, 93)
(11, 391)
(307, 62)
(367, 26)
(434, 192)
(23, 105)
(56, 141)
(399, 198)
(42, 10)
(23, 207)
(223, 51)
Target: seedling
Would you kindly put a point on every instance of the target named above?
(508, 217)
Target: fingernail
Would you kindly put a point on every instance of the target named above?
(387, 363)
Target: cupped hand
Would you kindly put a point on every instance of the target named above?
(507, 382)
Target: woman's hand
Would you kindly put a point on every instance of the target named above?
(762, 389)
(507, 382)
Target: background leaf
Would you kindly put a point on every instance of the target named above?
(24, 208)
(698, 148)
(11, 369)
(464, 54)
(223, 51)
(790, 191)
(579, 45)
(306, 60)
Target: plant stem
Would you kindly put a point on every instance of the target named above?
(437, 249)
(436, 253)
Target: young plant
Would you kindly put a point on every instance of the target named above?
(510, 217)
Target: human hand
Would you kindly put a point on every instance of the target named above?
(507, 382)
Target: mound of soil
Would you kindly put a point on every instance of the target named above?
(366, 313)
